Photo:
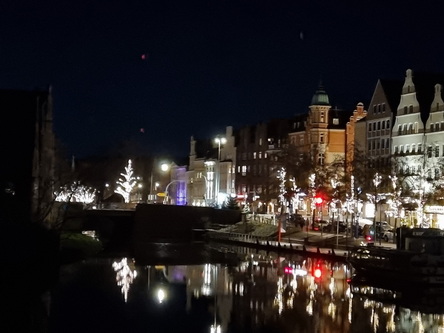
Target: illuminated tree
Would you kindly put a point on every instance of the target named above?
(76, 192)
(127, 183)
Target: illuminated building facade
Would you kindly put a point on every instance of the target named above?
(211, 167)
(418, 144)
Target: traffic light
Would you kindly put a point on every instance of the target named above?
(317, 273)
(318, 200)
(288, 270)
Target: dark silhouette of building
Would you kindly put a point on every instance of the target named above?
(28, 153)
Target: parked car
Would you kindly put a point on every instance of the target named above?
(388, 235)
(317, 225)
(333, 227)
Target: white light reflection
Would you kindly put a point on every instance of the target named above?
(215, 329)
(161, 295)
(278, 298)
(124, 276)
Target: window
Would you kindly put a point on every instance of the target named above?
(432, 127)
(383, 107)
(405, 109)
(335, 121)
(244, 170)
(321, 159)
(410, 108)
(254, 155)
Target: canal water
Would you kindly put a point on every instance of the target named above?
(250, 291)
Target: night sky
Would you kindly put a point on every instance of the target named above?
(158, 72)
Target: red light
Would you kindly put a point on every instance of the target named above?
(288, 270)
(368, 237)
(317, 273)
(318, 200)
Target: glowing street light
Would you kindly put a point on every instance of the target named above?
(154, 185)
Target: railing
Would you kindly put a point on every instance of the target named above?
(264, 242)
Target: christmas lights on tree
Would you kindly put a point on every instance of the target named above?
(127, 183)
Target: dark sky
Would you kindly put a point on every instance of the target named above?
(187, 67)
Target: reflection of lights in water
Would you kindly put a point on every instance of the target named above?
(331, 310)
(206, 287)
(161, 295)
(124, 276)
(332, 287)
(215, 329)
(278, 297)
(240, 288)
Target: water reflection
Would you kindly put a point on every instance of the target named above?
(265, 292)
(124, 275)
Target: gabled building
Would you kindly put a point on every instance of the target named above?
(418, 139)
(379, 121)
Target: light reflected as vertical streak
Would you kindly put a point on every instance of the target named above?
(124, 276)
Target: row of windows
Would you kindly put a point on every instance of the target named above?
(437, 127)
(379, 108)
(432, 151)
(378, 125)
(378, 144)
(408, 109)
(408, 128)
(432, 173)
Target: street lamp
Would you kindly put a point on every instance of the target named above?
(153, 185)
(220, 141)
(206, 188)
(376, 181)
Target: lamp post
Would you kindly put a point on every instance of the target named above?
(165, 200)
(206, 188)
(334, 184)
(153, 185)
(376, 181)
(220, 141)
